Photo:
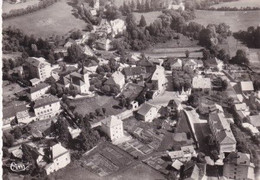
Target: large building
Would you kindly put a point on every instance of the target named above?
(201, 83)
(147, 112)
(80, 81)
(60, 158)
(222, 133)
(113, 127)
(239, 167)
(38, 68)
(116, 79)
(38, 91)
(158, 81)
(15, 112)
(46, 107)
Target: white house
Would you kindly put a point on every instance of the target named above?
(80, 81)
(60, 157)
(158, 81)
(38, 68)
(221, 131)
(46, 107)
(38, 91)
(247, 87)
(180, 6)
(103, 44)
(118, 26)
(113, 127)
(116, 79)
(16, 111)
(238, 166)
(147, 112)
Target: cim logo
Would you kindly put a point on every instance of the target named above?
(19, 167)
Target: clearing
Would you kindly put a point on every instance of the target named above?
(56, 19)
(7, 7)
(239, 4)
(87, 105)
(149, 16)
(237, 20)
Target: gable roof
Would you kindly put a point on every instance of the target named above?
(45, 101)
(58, 150)
(133, 71)
(39, 87)
(255, 120)
(34, 61)
(158, 73)
(115, 78)
(112, 121)
(224, 134)
(145, 109)
(247, 86)
(12, 110)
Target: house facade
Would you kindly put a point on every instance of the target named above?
(38, 91)
(222, 133)
(113, 127)
(147, 112)
(46, 107)
(38, 68)
(60, 158)
(80, 81)
(239, 167)
(18, 112)
(116, 79)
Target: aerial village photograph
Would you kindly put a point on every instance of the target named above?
(130, 90)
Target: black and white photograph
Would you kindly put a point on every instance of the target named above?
(130, 89)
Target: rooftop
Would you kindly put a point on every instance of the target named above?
(201, 83)
(11, 111)
(223, 131)
(145, 109)
(247, 86)
(45, 101)
(38, 87)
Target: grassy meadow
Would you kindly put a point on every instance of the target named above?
(239, 4)
(56, 19)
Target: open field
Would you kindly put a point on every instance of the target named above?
(237, 20)
(56, 19)
(7, 7)
(87, 105)
(149, 16)
(239, 4)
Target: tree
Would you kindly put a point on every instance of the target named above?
(240, 58)
(106, 88)
(147, 5)
(8, 139)
(17, 132)
(104, 110)
(142, 21)
(187, 53)
(74, 53)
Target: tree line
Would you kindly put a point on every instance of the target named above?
(29, 9)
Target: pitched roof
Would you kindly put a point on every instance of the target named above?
(12, 110)
(45, 101)
(255, 120)
(145, 63)
(224, 134)
(58, 150)
(115, 78)
(201, 83)
(39, 87)
(133, 71)
(158, 73)
(112, 121)
(238, 158)
(36, 61)
(145, 109)
(247, 86)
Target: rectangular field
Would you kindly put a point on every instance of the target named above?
(7, 7)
